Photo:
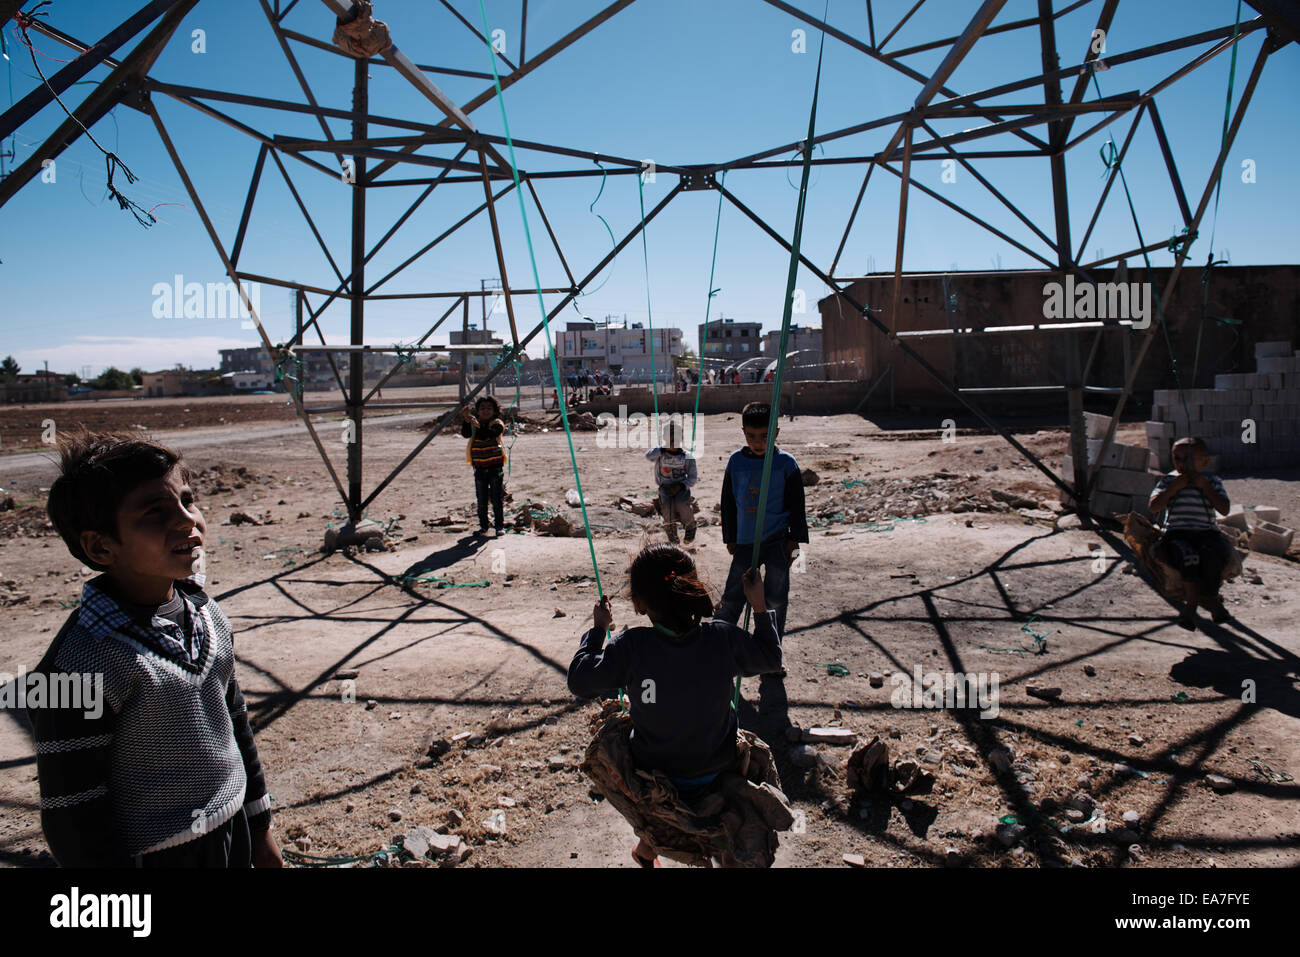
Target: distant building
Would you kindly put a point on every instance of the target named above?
(314, 368)
(804, 347)
(618, 349)
(476, 361)
(250, 359)
(248, 381)
(165, 383)
(39, 386)
(727, 339)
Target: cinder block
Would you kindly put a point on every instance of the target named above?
(1107, 504)
(1139, 504)
(1264, 350)
(1097, 425)
(1278, 363)
(1263, 513)
(1159, 430)
(1126, 481)
(1271, 539)
(1236, 517)
(1117, 455)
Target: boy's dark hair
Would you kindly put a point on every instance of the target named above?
(97, 471)
(1194, 442)
(664, 579)
(496, 406)
(756, 415)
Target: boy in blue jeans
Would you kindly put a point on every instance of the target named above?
(785, 524)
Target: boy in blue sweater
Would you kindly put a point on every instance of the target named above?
(163, 771)
(785, 525)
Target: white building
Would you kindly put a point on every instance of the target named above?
(617, 349)
(248, 381)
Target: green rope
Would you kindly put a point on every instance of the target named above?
(1268, 774)
(708, 305)
(1218, 188)
(835, 669)
(650, 320)
(507, 352)
(379, 858)
(541, 303)
(440, 582)
(604, 175)
(1111, 160)
(792, 278)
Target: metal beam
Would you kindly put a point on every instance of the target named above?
(509, 354)
(1269, 46)
(235, 278)
(915, 356)
(100, 101)
(44, 94)
(1167, 153)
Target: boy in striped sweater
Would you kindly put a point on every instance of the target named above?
(162, 771)
(1192, 544)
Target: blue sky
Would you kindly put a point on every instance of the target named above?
(671, 80)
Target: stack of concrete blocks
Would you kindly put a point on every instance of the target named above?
(1123, 483)
(1260, 523)
(1269, 397)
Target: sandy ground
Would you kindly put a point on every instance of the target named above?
(960, 590)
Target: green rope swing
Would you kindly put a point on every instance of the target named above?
(1210, 261)
(650, 320)
(541, 303)
(708, 305)
(779, 376)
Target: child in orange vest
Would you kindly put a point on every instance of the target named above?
(484, 428)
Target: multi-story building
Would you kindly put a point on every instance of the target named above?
(730, 341)
(618, 349)
(475, 361)
(804, 348)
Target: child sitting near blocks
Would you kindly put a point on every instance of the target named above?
(1192, 544)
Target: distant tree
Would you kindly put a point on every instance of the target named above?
(138, 375)
(71, 379)
(113, 378)
(9, 367)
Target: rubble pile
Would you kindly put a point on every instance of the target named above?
(851, 500)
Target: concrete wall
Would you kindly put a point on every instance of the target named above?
(820, 398)
(1266, 300)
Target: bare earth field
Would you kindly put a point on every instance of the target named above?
(963, 584)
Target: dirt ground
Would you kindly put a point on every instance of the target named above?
(913, 564)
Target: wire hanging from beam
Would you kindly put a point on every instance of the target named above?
(112, 161)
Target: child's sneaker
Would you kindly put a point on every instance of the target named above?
(1188, 618)
(690, 535)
